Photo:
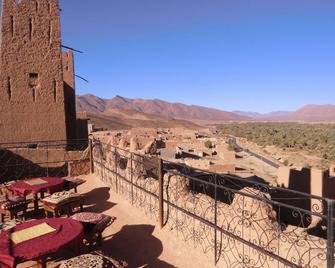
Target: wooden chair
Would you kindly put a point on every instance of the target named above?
(56, 204)
(11, 205)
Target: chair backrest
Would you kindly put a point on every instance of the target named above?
(3, 190)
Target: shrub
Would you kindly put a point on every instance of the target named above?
(208, 144)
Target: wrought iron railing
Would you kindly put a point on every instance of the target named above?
(242, 222)
(40, 158)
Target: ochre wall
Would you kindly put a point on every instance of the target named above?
(70, 95)
(31, 64)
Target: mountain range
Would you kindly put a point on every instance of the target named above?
(199, 114)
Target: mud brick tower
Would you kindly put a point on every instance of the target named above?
(37, 98)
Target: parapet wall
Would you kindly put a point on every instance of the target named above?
(248, 224)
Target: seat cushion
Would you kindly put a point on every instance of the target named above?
(92, 261)
(61, 198)
(93, 222)
(89, 217)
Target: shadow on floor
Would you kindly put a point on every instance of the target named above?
(137, 246)
(97, 200)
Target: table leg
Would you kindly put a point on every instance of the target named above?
(36, 203)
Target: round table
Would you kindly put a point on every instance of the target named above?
(68, 235)
(51, 185)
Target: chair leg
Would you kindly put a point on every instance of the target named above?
(42, 263)
(24, 214)
(99, 239)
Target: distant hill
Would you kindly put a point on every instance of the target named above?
(308, 113)
(93, 104)
(255, 115)
(127, 119)
(311, 113)
(90, 103)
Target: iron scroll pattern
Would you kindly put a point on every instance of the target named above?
(241, 223)
(245, 224)
(128, 174)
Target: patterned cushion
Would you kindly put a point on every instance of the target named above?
(60, 197)
(89, 217)
(92, 261)
(93, 223)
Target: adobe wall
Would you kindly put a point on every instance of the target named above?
(222, 168)
(82, 126)
(32, 102)
(70, 95)
(311, 181)
(332, 171)
(225, 154)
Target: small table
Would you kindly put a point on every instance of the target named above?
(68, 205)
(94, 225)
(68, 235)
(36, 186)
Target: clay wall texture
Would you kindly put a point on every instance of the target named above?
(36, 78)
(69, 92)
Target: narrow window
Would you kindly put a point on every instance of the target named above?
(33, 84)
(36, 5)
(12, 25)
(9, 88)
(54, 86)
(34, 94)
(30, 28)
(50, 32)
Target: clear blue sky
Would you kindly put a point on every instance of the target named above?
(251, 55)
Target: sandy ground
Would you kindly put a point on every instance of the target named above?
(295, 158)
(134, 237)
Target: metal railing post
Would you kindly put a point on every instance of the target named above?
(215, 223)
(116, 171)
(131, 178)
(161, 192)
(90, 146)
(330, 234)
(47, 159)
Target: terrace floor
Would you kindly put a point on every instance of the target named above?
(134, 236)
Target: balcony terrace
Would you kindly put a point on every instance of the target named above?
(133, 237)
(170, 215)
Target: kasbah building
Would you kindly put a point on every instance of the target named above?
(37, 85)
